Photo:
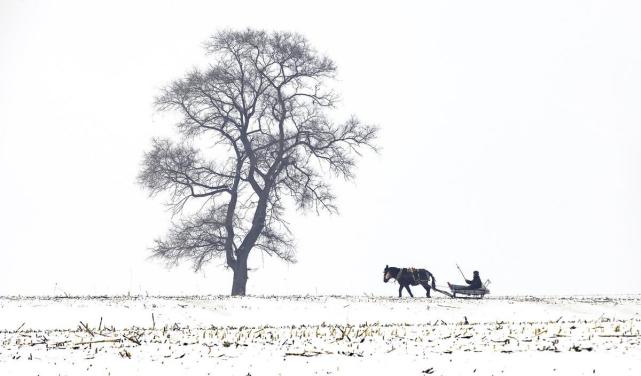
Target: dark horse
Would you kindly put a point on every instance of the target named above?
(409, 276)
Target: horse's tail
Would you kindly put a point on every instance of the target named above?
(433, 282)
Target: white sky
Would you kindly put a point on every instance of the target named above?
(510, 132)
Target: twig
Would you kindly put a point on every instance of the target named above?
(305, 353)
(133, 339)
(116, 340)
(618, 335)
(86, 328)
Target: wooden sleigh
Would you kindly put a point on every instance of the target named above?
(467, 293)
(470, 293)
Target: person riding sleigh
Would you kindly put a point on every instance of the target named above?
(473, 284)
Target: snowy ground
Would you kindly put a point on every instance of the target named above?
(320, 335)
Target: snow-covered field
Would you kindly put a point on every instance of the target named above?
(215, 335)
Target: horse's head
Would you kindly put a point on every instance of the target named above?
(387, 274)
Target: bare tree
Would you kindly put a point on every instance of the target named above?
(259, 114)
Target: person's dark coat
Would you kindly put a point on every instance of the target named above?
(475, 283)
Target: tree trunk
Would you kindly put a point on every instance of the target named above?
(240, 277)
(240, 265)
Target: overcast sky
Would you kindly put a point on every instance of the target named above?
(510, 144)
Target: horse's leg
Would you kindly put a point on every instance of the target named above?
(408, 290)
(427, 288)
(400, 291)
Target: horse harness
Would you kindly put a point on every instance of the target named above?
(413, 272)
